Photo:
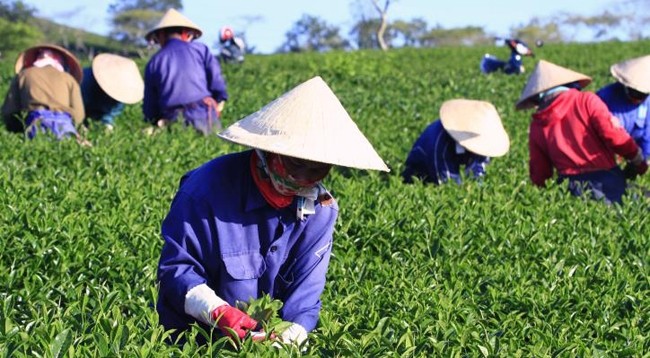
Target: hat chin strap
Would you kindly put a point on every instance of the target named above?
(549, 92)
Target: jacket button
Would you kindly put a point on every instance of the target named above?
(274, 248)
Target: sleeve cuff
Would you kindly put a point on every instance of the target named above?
(200, 301)
(637, 158)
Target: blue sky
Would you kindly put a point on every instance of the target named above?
(266, 22)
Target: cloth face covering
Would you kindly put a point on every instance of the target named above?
(307, 193)
(264, 184)
(284, 182)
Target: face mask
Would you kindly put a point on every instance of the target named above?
(282, 181)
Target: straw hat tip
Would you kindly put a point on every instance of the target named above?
(316, 78)
(545, 76)
(174, 18)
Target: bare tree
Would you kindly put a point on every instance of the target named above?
(383, 16)
(132, 19)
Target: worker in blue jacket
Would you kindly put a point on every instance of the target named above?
(183, 80)
(628, 100)
(260, 221)
(108, 84)
(467, 134)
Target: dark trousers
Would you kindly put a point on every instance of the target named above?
(608, 185)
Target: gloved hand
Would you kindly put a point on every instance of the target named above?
(631, 170)
(295, 334)
(259, 336)
(226, 316)
(636, 166)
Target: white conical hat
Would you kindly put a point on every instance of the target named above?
(545, 76)
(308, 122)
(633, 73)
(119, 77)
(476, 126)
(173, 18)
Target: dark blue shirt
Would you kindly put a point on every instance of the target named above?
(97, 103)
(634, 117)
(220, 231)
(434, 158)
(181, 73)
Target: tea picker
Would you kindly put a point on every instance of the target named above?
(46, 88)
(573, 132)
(231, 47)
(468, 133)
(628, 100)
(183, 80)
(108, 84)
(260, 221)
(514, 65)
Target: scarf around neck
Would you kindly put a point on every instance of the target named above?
(306, 198)
(263, 182)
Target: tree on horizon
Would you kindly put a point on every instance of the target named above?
(132, 19)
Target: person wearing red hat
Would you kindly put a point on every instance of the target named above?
(45, 88)
(232, 47)
(573, 132)
(183, 79)
(260, 221)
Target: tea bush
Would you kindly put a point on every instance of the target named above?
(498, 268)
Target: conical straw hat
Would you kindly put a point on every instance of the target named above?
(476, 126)
(633, 73)
(119, 77)
(173, 18)
(26, 59)
(545, 76)
(308, 122)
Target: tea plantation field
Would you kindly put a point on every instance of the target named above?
(499, 268)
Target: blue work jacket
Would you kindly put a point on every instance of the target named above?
(181, 73)
(97, 103)
(434, 158)
(634, 117)
(220, 231)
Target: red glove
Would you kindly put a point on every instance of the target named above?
(227, 316)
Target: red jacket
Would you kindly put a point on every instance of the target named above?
(576, 134)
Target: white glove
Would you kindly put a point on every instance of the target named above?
(295, 334)
(200, 301)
